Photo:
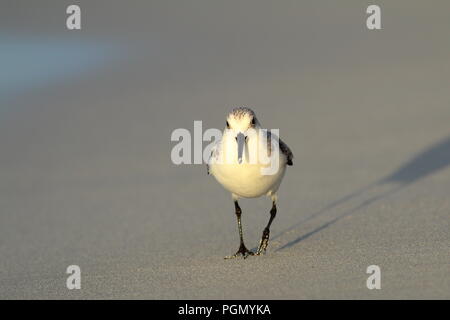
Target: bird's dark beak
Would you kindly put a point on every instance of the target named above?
(241, 140)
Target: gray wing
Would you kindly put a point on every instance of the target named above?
(213, 154)
(283, 148)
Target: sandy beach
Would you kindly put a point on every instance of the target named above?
(86, 176)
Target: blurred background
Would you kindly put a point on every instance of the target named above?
(86, 177)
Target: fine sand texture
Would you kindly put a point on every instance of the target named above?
(86, 176)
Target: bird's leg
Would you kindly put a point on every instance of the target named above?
(242, 251)
(265, 236)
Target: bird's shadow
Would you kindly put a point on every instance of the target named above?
(429, 161)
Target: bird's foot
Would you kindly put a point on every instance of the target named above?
(263, 243)
(242, 252)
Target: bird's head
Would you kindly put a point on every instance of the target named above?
(242, 122)
(241, 119)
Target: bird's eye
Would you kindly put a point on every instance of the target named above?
(253, 122)
(228, 125)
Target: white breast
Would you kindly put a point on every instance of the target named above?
(249, 179)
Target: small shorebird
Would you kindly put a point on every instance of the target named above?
(241, 163)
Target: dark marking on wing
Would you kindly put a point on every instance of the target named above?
(212, 154)
(283, 148)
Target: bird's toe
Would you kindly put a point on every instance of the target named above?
(242, 252)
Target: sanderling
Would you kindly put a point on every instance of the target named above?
(237, 164)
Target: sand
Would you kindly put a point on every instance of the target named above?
(85, 171)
